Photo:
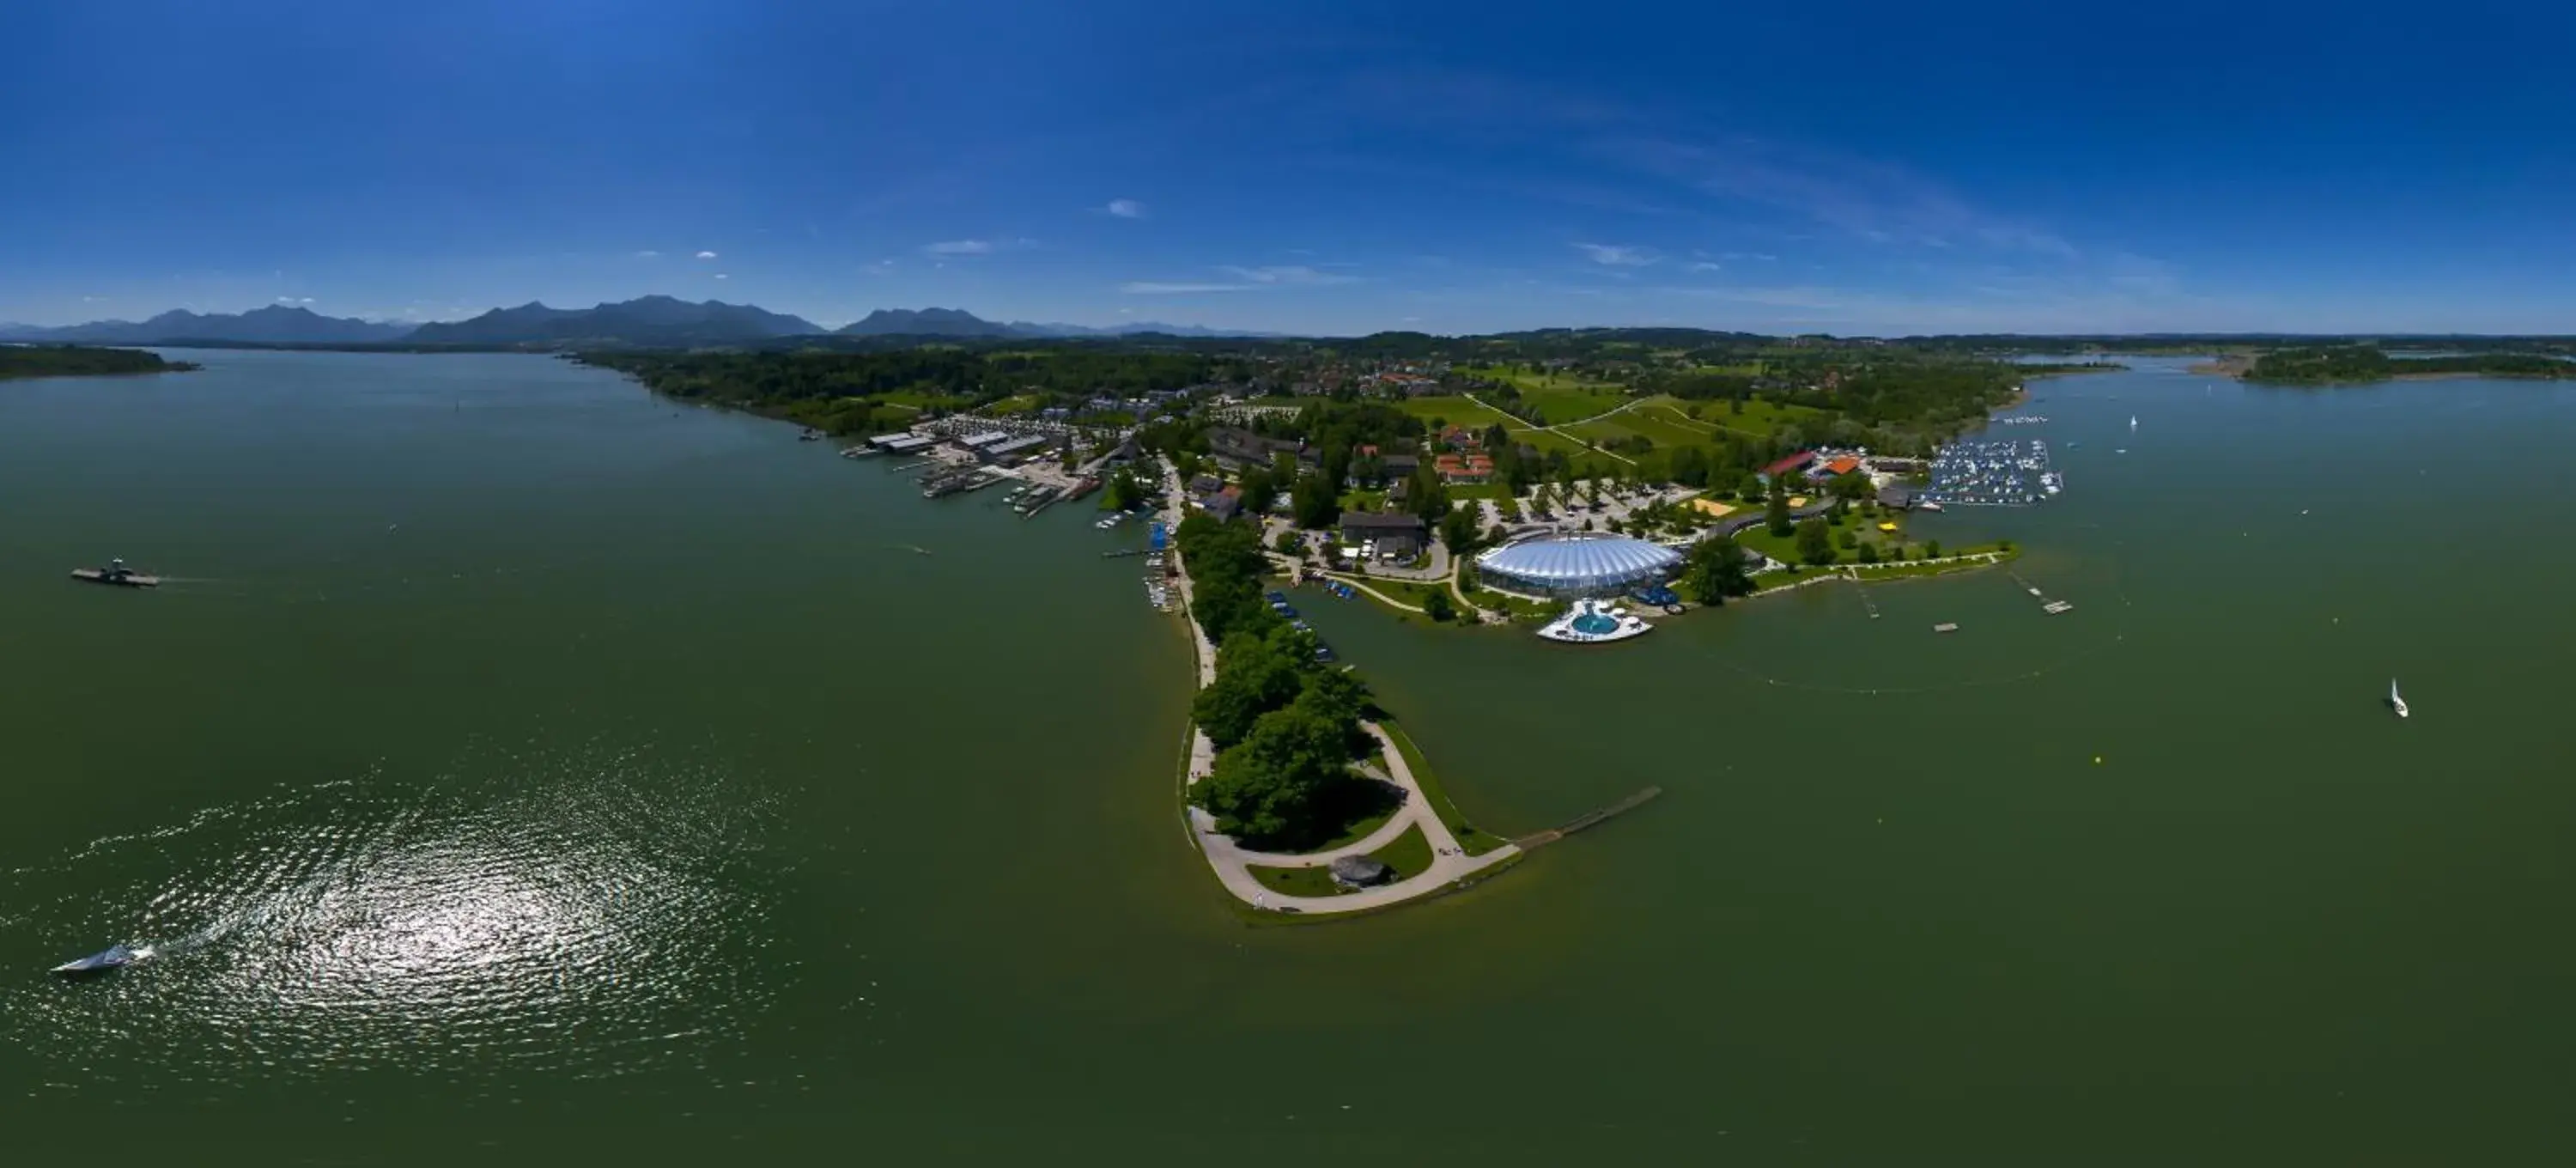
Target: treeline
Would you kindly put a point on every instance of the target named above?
(81, 361)
(847, 393)
(1285, 727)
(2361, 363)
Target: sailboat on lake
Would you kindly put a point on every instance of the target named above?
(2395, 702)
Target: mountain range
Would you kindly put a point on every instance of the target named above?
(660, 321)
(645, 322)
(274, 325)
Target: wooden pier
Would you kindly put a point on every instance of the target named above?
(1588, 820)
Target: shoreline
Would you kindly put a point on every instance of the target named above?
(1452, 869)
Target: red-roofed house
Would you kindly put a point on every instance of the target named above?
(1464, 468)
(1842, 466)
(1789, 464)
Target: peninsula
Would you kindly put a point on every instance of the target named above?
(2353, 364)
(18, 361)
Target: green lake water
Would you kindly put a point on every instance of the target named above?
(519, 766)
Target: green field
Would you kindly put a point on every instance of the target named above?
(1560, 407)
(1784, 548)
(915, 399)
(1758, 419)
(1458, 411)
(1528, 382)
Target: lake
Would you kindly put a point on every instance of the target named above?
(521, 766)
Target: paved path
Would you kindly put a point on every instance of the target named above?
(1631, 404)
(1361, 583)
(1449, 862)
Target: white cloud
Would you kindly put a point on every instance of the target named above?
(976, 247)
(722, 276)
(648, 254)
(884, 267)
(1618, 255)
(294, 300)
(1706, 266)
(706, 255)
(1287, 274)
(1125, 208)
(1167, 288)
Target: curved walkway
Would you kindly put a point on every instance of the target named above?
(1233, 862)
(1449, 862)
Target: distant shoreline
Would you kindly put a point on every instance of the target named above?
(27, 362)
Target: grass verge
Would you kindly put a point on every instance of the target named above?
(1409, 855)
(1476, 841)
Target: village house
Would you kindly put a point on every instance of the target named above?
(1396, 534)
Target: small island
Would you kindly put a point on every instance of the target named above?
(81, 361)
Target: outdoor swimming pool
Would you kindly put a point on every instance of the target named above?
(1593, 624)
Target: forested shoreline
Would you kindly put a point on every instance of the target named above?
(81, 361)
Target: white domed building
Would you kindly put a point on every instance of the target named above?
(1577, 565)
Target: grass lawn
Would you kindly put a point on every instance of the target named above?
(1571, 405)
(1475, 840)
(1495, 491)
(923, 401)
(1020, 404)
(1297, 881)
(1458, 411)
(1408, 591)
(1785, 550)
(1523, 610)
(1409, 855)
(1534, 382)
(1357, 830)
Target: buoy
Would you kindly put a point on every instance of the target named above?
(2097, 760)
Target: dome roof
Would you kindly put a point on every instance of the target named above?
(1576, 561)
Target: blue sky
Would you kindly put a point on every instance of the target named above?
(1319, 166)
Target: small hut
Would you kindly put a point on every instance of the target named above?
(1360, 872)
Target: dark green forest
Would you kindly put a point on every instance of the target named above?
(80, 361)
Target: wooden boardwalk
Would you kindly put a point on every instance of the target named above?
(1589, 819)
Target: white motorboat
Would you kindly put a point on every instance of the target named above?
(2395, 702)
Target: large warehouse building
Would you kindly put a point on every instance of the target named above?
(1577, 565)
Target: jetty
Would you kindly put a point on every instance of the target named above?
(1589, 819)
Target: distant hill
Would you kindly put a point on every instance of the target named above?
(924, 322)
(1027, 329)
(957, 322)
(645, 322)
(274, 325)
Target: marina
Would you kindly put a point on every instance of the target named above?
(1992, 472)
